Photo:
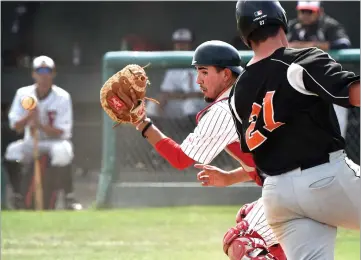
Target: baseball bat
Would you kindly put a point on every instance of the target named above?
(37, 173)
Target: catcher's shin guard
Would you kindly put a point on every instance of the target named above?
(239, 245)
(248, 248)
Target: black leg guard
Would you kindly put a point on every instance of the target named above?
(14, 173)
(64, 177)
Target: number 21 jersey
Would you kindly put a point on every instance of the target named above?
(283, 108)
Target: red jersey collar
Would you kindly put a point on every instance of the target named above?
(223, 96)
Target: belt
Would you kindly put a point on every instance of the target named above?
(312, 163)
(302, 165)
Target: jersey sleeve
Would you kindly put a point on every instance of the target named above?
(337, 37)
(316, 73)
(213, 133)
(64, 118)
(16, 111)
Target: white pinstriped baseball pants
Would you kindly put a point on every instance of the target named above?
(305, 207)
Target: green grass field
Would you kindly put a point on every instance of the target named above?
(185, 233)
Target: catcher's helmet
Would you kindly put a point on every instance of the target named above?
(217, 53)
(252, 15)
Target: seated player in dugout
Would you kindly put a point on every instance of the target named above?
(313, 28)
(218, 66)
(53, 119)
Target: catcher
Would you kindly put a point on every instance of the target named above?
(218, 67)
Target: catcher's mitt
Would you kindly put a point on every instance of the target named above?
(115, 96)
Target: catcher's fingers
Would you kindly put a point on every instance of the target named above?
(200, 175)
(205, 181)
(205, 167)
(203, 178)
(205, 184)
(199, 166)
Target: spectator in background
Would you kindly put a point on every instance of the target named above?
(179, 94)
(313, 28)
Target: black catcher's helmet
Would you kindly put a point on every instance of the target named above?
(217, 53)
(252, 15)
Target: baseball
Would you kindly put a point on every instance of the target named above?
(28, 102)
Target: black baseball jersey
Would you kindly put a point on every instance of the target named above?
(283, 108)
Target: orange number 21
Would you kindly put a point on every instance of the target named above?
(255, 138)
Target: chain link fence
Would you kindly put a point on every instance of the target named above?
(353, 126)
(353, 135)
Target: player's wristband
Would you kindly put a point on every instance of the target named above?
(146, 128)
(141, 122)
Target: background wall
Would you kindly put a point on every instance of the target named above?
(52, 28)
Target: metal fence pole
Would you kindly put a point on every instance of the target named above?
(108, 151)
